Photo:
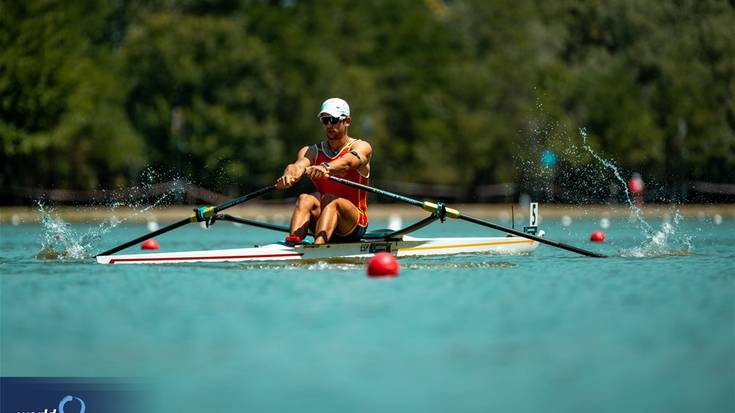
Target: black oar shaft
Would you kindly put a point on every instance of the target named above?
(453, 213)
(209, 212)
(244, 198)
(147, 236)
(531, 237)
(378, 191)
(274, 227)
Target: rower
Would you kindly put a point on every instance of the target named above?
(337, 213)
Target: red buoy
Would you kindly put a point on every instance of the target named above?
(635, 184)
(150, 244)
(597, 236)
(383, 264)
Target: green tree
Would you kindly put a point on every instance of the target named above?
(202, 92)
(61, 98)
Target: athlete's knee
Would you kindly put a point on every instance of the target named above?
(306, 201)
(341, 207)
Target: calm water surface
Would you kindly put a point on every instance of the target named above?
(551, 331)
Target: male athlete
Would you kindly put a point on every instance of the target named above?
(338, 213)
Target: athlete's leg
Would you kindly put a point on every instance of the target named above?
(305, 214)
(338, 214)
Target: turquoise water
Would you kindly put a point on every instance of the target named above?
(650, 329)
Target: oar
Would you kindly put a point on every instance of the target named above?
(200, 214)
(453, 213)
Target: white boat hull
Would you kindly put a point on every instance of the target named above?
(405, 247)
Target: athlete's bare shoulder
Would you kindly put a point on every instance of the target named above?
(362, 145)
(306, 154)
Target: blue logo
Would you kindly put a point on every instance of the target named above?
(548, 158)
(66, 400)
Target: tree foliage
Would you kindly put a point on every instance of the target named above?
(448, 92)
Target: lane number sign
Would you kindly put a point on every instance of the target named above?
(533, 214)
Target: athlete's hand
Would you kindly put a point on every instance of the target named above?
(291, 175)
(317, 172)
(286, 181)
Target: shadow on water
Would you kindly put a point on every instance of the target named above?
(639, 252)
(359, 264)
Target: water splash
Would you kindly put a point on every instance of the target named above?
(579, 179)
(635, 211)
(666, 241)
(658, 242)
(59, 241)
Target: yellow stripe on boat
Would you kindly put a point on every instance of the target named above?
(480, 244)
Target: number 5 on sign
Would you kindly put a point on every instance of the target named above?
(533, 214)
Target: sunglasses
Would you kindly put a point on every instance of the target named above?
(330, 120)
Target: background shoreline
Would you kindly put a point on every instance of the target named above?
(282, 212)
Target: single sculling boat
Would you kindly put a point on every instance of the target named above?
(404, 246)
(396, 242)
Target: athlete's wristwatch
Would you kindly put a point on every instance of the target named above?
(326, 166)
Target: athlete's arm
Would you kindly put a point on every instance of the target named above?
(295, 171)
(358, 156)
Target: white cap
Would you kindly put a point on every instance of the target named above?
(335, 107)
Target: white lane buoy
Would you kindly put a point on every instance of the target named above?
(604, 223)
(395, 222)
(15, 220)
(152, 226)
(717, 219)
(566, 220)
